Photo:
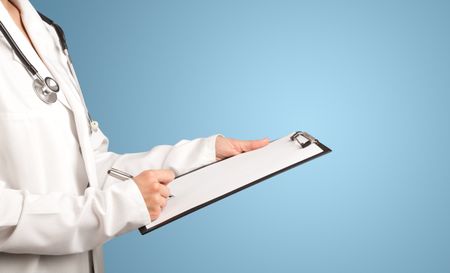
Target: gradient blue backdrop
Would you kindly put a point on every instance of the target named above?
(369, 78)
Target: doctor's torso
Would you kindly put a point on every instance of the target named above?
(39, 146)
(39, 143)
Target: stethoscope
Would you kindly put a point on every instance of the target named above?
(45, 88)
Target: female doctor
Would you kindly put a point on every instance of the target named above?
(57, 203)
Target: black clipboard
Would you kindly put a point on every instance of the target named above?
(302, 140)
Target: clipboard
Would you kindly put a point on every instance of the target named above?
(211, 183)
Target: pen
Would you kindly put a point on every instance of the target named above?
(121, 175)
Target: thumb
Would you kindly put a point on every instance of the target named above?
(250, 145)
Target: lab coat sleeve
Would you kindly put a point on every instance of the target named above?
(182, 157)
(58, 223)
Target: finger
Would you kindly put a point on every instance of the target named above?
(155, 212)
(250, 145)
(154, 200)
(165, 176)
(162, 202)
(164, 191)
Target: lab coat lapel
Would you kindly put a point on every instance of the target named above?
(43, 43)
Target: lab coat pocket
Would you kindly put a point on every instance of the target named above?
(39, 152)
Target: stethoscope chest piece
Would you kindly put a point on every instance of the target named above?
(46, 89)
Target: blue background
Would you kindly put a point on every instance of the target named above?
(370, 79)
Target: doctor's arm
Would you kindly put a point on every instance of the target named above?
(182, 157)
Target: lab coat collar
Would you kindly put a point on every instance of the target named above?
(48, 50)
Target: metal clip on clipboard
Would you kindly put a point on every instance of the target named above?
(309, 139)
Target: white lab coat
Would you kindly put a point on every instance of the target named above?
(56, 200)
